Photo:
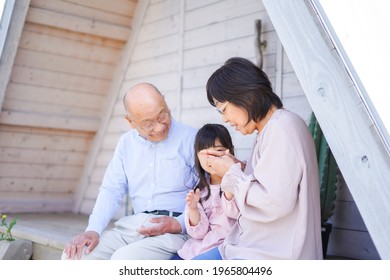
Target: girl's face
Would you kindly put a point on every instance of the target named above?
(236, 116)
(202, 156)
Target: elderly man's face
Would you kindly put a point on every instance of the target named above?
(153, 125)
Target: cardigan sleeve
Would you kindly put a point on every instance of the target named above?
(230, 207)
(271, 190)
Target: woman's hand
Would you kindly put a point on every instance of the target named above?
(220, 161)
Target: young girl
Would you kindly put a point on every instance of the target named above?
(209, 213)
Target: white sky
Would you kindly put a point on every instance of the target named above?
(363, 27)
(1, 7)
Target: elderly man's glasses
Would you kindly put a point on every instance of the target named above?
(149, 125)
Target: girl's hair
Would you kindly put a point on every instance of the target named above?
(242, 83)
(205, 138)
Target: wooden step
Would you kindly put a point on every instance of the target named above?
(49, 232)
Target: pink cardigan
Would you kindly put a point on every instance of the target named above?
(277, 194)
(218, 215)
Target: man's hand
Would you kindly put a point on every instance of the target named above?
(75, 247)
(161, 225)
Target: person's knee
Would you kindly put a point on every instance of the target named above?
(143, 250)
(128, 252)
(162, 247)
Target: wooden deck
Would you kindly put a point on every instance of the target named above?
(49, 232)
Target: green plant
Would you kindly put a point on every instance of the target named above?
(7, 235)
(327, 170)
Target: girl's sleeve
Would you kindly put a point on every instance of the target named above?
(201, 229)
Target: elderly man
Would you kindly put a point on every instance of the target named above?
(153, 164)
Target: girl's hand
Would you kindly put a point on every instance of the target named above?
(193, 198)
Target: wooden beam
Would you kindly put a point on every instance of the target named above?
(37, 185)
(59, 97)
(76, 9)
(354, 141)
(78, 24)
(11, 45)
(49, 121)
(7, 7)
(121, 7)
(57, 80)
(35, 202)
(44, 139)
(64, 64)
(69, 44)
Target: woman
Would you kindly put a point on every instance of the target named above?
(277, 191)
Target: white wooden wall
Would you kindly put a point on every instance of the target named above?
(56, 70)
(177, 47)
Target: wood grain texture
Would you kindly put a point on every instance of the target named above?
(344, 120)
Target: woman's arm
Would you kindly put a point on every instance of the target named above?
(271, 190)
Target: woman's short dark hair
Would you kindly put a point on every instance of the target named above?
(242, 83)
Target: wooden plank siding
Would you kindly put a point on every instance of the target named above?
(62, 69)
(39, 169)
(178, 46)
(350, 237)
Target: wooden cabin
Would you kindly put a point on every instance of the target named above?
(64, 68)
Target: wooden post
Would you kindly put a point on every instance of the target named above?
(11, 45)
(351, 134)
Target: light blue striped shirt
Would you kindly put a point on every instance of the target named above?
(156, 175)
